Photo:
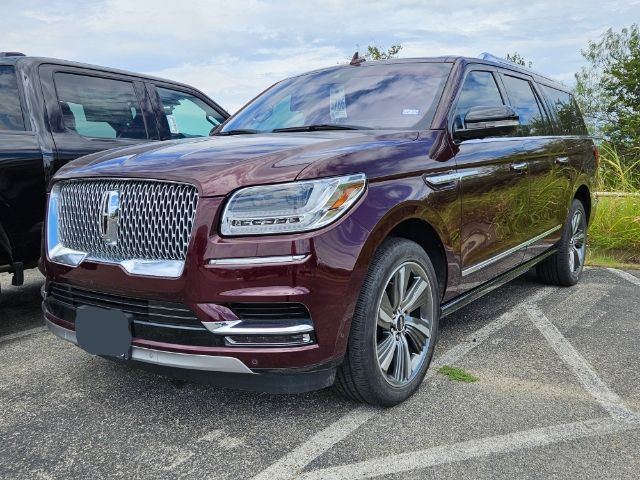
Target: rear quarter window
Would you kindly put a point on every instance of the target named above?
(10, 109)
(566, 111)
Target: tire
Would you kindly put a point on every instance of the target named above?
(564, 268)
(388, 354)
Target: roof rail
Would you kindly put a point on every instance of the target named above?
(12, 54)
(494, 58)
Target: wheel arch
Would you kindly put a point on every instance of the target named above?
(584, 195)
(414, 221)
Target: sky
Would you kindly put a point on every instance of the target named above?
(232, 50)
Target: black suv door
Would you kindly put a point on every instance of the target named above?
(21, 176)
(91, 110)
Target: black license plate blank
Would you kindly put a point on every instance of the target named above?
(103, 332)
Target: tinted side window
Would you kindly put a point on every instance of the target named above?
(524, 102)
(99, 107)
(568, 116)
(10, 110)
(479, 89)
(187, 115)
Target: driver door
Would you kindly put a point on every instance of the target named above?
(494, 187)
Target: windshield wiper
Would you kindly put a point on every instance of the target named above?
(320, 126)
(239, 131)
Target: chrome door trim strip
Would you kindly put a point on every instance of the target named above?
(506, 253)
(164, 358)
(257, 260)
(440, 179)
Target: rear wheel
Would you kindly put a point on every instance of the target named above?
(565, 266)
(394, 327)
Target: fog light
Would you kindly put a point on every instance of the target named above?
(269, 340)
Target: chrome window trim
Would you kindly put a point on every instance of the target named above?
(506, 253)
(166, 358)
(258, 260)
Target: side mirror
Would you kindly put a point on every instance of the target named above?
(481, 122)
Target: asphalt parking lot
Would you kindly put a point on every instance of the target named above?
(558, 396)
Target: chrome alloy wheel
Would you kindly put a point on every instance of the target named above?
(577, 244)
(404, 325)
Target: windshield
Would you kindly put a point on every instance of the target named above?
(389, 96)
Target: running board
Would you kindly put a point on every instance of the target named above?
(477, 292)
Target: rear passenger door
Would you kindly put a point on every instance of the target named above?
(184, 113)
(541, 150)
(91, 110)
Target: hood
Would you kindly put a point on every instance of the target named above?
(220, 164)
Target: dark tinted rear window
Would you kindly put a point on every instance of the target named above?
(10, 110)
(569, 118)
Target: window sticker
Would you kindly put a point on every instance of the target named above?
(173, 125)
(411, 111)
(337, 103)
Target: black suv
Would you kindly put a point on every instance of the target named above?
(53, 111)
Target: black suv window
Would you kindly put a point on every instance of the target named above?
(479, 90)
(524, 102)
(10, 110)
(568, 116)
(187, 115)
(99, 107)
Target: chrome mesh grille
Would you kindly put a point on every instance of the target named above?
(156, 218)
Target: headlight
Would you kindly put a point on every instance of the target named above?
(291, 207)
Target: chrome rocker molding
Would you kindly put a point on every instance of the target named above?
(167, 359)
(506, 253)
(257, 260)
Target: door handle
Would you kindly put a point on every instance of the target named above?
(519, 167)
(562, 160)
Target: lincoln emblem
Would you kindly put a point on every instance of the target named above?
(109, 217)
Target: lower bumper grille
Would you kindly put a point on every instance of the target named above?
(152, 320)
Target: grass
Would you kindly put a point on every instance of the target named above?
(618, 173)
(457, 374)
(614, 235)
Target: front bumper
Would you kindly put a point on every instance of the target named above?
(216, 370)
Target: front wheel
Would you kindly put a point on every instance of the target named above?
(394, 327)
(565, 266)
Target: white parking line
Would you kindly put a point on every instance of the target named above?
(609, 400)
(626, 275)
(292, 463)
(25, 333)
(482, 447)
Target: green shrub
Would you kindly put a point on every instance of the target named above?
(615, 229)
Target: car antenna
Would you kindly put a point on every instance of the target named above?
(357, 59)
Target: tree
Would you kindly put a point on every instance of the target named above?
(515, 57)
(376, 53)
(608, 88)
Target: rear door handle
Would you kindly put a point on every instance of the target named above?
(519, 167)
(562, 160)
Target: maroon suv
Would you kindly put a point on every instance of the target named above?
(320, 234)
